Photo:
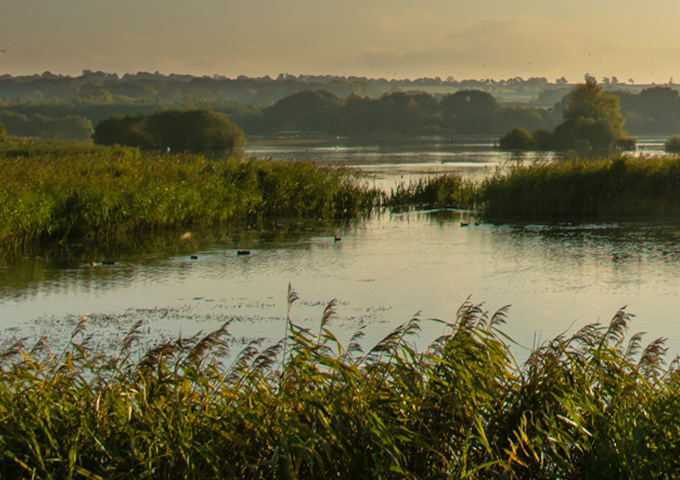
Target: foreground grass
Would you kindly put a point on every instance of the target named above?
(104, 194)
(592, 405)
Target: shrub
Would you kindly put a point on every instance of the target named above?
(672, 144)
(172, 129)
(517, 139)
(123, 130)
(193, 130)
(627, 144)
(544, 139)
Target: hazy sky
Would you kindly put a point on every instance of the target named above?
(375, 38)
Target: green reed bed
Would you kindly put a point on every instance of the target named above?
(591, 405)
(621, 186)
(441, 191)
(22, 147)
(103, 194)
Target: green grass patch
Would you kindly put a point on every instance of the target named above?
(597, 404)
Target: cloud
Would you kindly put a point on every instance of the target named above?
(510, 42)
(404, 19)
(488, 48)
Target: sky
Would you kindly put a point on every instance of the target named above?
(479, 39)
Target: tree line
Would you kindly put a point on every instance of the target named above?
(68, 127)
(101, 87)
(399, 113)
(654, 110)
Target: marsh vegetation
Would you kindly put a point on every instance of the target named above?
(596, 403)
(65, 191)
(101, 194)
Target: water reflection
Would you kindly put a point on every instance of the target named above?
(393, 160)
(556, 276)
(59, 266)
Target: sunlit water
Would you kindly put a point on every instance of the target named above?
(557, 277)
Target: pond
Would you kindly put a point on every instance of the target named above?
(382, 271)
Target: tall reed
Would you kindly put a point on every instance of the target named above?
(441, 191)
(105, 194)
(620, 186)
(595, 404)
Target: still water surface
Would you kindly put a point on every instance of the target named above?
(557, 277)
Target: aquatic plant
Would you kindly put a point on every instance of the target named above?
(106, 193)
(518, 139)
(615, 186)
(440, 191)
(596, 404)
(26, 147)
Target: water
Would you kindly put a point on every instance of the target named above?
(557, 277)
(395, 160)
(391, 161)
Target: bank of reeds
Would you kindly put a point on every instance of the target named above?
(104, 194)
(23, 147)
(591, 405)
(623, 186)
(441, 191)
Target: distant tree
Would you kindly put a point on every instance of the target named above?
(123, 130)
(672, 144)
(468, 111)
(467, 102)
(529, 118)
(591, 115)
(661, 103)
(561, 81)
(15, 123)
(517, 139)
(592, 119)
(588, 100)
(544, 139)
(174, 129)
(309, 110)
(193, 130)
(402, 113)
(64, 128)
(41, 126)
